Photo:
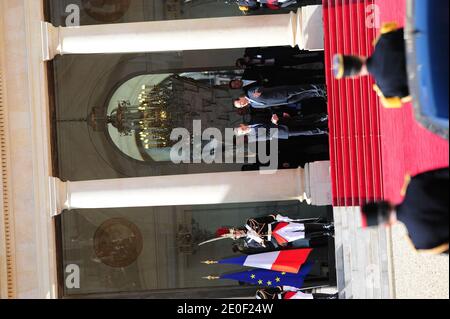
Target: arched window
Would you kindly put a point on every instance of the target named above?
(139, 117)
(144, 110)
(106, 11)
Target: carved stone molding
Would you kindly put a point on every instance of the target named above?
(27, 238)
(7, 262)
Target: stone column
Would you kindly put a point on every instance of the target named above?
(304, 28)
(194, 189)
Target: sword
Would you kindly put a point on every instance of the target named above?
(306, 220)
(213, 240)
(297, 220)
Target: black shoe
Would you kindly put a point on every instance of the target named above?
(329, 227)
(335, 296)
(328, 234)
(322, 220)
(326, 296)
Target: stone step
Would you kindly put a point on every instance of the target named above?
(361, 257)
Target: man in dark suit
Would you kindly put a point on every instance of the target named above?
(244, 84)
(319, 120)
(268, 131)
(273, 77)
(260, 97)
(296, 152)
(278, 56)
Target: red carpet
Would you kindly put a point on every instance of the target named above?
(372, 148)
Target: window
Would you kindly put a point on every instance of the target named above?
(112, 118)
(144, 110)
(119, 11)
(154, 251)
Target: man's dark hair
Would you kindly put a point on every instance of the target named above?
(243, 111)
(241, 63)
(230, 84)
(237, 99)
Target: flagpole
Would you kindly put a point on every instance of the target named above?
(211, 277)
(209, 262)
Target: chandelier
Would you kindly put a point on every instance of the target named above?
(148, 119)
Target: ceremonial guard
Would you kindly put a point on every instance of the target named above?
(286, 292)
(275, 232)
(424, 211)
(247, 5)
(387, 65)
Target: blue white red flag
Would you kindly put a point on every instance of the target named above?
(270, 278)
(288, 261)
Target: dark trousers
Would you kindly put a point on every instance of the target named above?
(325, 296)
(314, 230)
(308, 126)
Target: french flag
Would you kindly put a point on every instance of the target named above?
(289, 261)
(273, 4)
(297, 295)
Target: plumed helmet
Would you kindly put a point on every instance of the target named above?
(374, 214)
(346, 65)
(223, 231)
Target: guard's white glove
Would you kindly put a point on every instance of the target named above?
(252, 235)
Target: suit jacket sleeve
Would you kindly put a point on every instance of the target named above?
(272, 96)
(286, 121)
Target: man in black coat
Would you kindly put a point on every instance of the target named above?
(274, 77)
(283, 131)
(261, 97)
(279, 56)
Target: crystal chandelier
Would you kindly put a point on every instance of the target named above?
(149, 119)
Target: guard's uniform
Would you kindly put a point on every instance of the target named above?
(278, 231)
(286, 292)
(388, 66)
(246, 5)
(425, 211)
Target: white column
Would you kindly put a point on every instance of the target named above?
(303, 28)
(318, 183)
(310, 33)
(195, 189)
